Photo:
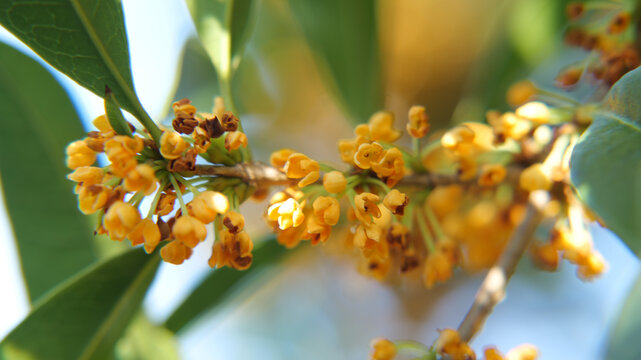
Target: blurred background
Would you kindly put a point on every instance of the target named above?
(457, 58)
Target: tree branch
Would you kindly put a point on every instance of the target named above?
(492, 289)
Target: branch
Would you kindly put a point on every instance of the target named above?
(492, 289)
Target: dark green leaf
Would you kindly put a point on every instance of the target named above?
(145, 340)
(606, 163)
(53, 238)
(222, 27)
(114, 115)
(220, 284)
(84, 39)
(85, 317)
(624, 338)
(344, 37)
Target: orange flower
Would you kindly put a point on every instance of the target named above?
(189, 230)
(172, 145)
(366, 205)
(492, 174)
(535, 178)
(534, 111)
(418, 124)
(391, 167)
(327, 210)
(438, 268)
(334, 182)
(288, 213)
(87, 175)
(299, 166)
(279, 158)
(382, 349)
(92, 198)
(366, 154)
(206, 205)
(175, 252)
(120, 220)
(380, 127)
(146, 232)
(235, 140)
(79, 154)
(234, 222)
(141, 178)
(121, 151)
(396, 202)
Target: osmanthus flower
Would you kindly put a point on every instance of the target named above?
(520, 92)
(438, 268)
(141, 178)
(396, 202)
(172, 145)
(492, 174)
(207, 205)
(391, 167)
(121, 151)
(92, 198)
(278, 159)
(145, 232)
(299, 166)
(381, 127)
(120, 220)
(419, 123)
(234, 222)
(535, 111)
(382, 349)
(166, 203)
(87, 175)
(535, 177)
(202, 140)
(334, 182)
(235, 140)
(175, 252)
(326, 210)
(449, 343)
(79, 155)
(366, 207)
(367, 154)
(508, 126)
(189, 230)
(233, 250)
(287, 213)
(316, 231)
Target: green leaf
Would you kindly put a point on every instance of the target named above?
(220, 284)
(222, 27)
(344, 37)
(145, 340)
(38, 121)
(606, 163)
(85, 317)
(84, 39)
(624, 337)
(114, 115)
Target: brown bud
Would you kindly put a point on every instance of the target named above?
(186, 162)
(229, 122)
(574, 10)
(184, 125)
(212, 127)
(165, 230)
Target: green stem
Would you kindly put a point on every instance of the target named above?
(154, 202)
(378, 183)
(434, 224)
(429, 240)
(179, 195)
(191, 187)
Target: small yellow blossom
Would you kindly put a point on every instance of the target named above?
(366, 154)
(381, 127)
(79, 154)
(366, 205)
(492, 174)
(120, 220)
(391, 167)
(299, 166)
(175, 252)
(535, 178)
(418, 124)
(189, 230)
(438, 268)
(317, 230)
(166, 203)
(92, 198)
(234, 222)
(534, 111)
(396, 201)
(288, 213)
(87, 175)
(102, 124)
(492, 354)
(201, 140)
(142, 178)
(334, 182)
(327, 210)
(233, 249)
(146, 232)
(520, 92)
(235, 140)
(121, 151)
(206, 205)
(382, 349)
(279, 158)
(172, 145)
(449, 343)
(523, 352)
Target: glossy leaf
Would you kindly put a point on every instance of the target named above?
(624, 344)
(222, 27)
(344, 38)
(115, 116)
(606, 163)
(220, 284)
(84, 39)
(54, 240)
(85, 317)
(145, 340)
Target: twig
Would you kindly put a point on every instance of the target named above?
(492, 289)
(255, 174)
